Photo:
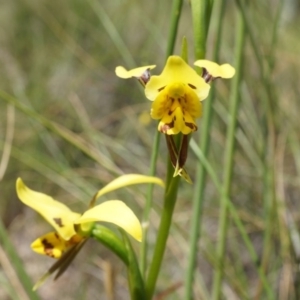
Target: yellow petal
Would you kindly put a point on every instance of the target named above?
(137, 72)
(166, 125)
(189, 124)
(50, 244)
(161, 105)
(224, 71)
(126, 180)
(173, 96)
(177, 105)
(177, 70)
(116, 212)
(56, 213)
(192, 104)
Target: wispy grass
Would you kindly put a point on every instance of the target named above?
(76, 126)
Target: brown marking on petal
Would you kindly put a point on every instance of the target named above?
(58, 221)
(206, 76)
(204, 72)
(192, 86)
(160, 89)
(48, 248)
(145, 77)
(170, 112)
(57, 236)
(191, 125)
(166, 127)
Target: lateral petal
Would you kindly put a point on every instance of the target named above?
(137, 72)
(126, 180)
(224, 71)
(56, 213)
(116, 212)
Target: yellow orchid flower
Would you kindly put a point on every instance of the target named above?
(212, 70)
(176, 95)
(72, 228)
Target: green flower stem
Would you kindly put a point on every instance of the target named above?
(163, 231)
(229, 151)
(164, 226)
(176, 12)
(201, 170)
(124, 250)
(135, 279)
(106, 237)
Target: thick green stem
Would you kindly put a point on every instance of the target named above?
(164, 226)
(163, 232)
(229, 152)
(111, 241)
(135, 279)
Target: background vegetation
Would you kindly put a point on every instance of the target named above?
(77, 126)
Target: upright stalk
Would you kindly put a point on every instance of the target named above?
(229, 152)
(175, 17)
(200, 39)
(163, 231)
(171, 186)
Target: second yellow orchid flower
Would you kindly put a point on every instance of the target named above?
(72, 228)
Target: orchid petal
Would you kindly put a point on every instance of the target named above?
(224, 71)
(176, 70)
(137, 72)
(55, 212)
(116, 212)
(126, 180)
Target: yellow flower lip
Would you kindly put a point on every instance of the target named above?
(176, 94)
(216, 70)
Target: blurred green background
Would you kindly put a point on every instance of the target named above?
(84, 126)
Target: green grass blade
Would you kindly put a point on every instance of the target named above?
(17, 263)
